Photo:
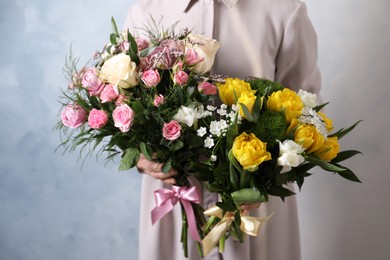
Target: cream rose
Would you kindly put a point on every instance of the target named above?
(119, 70)
(206, 49)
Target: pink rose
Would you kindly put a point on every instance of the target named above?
(121, 100)
(142, 44)
(151, 78)
(158, 100)
(192, 57)
(180, 78)
(91, 82)
(97, 118)
(73, 116)
(171, 130)
(207, 88)
(109, 93)
(123, 117)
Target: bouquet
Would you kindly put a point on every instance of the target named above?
(262, 137)
(155, 97)
(145, 96)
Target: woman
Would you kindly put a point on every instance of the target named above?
(272, 39)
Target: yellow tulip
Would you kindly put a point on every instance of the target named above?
(250, 151)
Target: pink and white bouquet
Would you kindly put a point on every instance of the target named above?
(155, 96)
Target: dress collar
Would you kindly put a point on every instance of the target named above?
(187, 4)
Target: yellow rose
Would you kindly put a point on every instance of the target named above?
(247, 98)
(288, 101)
(206, 48)
(329, 150)
(328, 121)
(308, 137)
(119, 70)
(250, 151)
(231, 90)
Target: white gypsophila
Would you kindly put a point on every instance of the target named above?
(218, 128)
(213, 158)
(186, 115)
(209, 142)
(211, 108)
(222, 112)
(308, 99)
(201, 131)
(235, 107)
(310, 116)
(290, 155)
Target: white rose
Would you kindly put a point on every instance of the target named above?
(308, 99)
(206, 48)
(120, 71)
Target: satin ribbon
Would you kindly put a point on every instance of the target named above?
(249, 225)
(166, 199)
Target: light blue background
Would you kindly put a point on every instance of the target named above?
(51, 209)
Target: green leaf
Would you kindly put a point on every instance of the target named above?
(280, 192)
(114, 27)
(319, 107)
(257, 107)
(112, 39)
(234, 162)
(129, 159)
(342, 132)
(325, 165)
(145, 151)
(133, 48)
(167, 166)
(349, 175)
(176, 145)
(247, 113)
(232, 133)
(247, 195)
(341, 156)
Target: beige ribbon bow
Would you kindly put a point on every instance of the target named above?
(249, 225)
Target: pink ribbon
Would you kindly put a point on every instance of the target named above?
(166, 199)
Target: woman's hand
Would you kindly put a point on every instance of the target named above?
(154, 169)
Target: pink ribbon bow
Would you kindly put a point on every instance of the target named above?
(166, 199)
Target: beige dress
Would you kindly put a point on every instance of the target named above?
(273, 39)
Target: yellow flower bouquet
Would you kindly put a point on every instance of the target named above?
(262, 137)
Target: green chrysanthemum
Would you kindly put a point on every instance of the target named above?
(271, 127)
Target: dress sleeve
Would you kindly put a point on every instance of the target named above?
(296, 62)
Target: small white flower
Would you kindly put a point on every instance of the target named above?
(208, 142)
(222, 111)
(235, 107)
(308, 99)
(189, 115)
(290, 155)
(213, 158)
(215, 128)
(211, 108)
(201, 131)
